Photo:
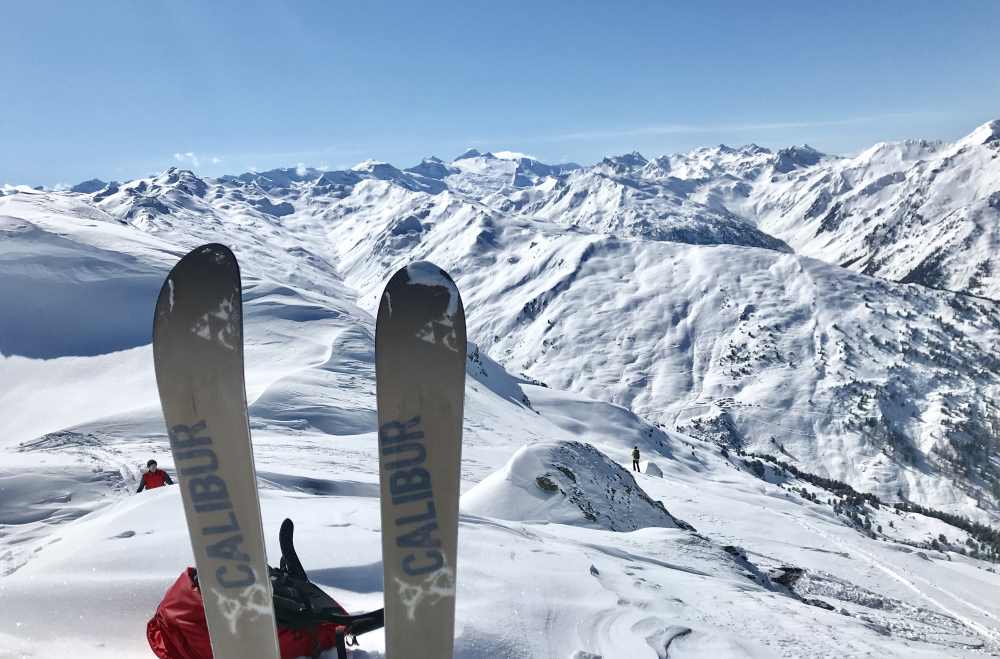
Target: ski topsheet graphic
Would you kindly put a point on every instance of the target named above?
(198, 354)
(420, 372)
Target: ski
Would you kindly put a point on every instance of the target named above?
(420, 383)
(198, 356)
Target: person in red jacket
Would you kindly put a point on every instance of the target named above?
(153, 478)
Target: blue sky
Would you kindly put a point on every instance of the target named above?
(123, 89)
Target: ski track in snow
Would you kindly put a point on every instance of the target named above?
(990, 635)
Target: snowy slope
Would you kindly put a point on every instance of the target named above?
(884, 387)
(654, 210)
(543, 588)
(876, 384)
(693, 320)
(916, 211)
(566, 483)
(913, 211)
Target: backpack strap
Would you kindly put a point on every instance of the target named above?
(301, 604)
(341, 644)
(290, 562)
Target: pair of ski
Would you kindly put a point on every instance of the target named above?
(420, 371)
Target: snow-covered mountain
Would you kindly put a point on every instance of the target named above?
(632, 281)
(921, 212)
(668, 304)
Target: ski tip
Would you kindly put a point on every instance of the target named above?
(425, 275)
(198, 270)
(212, 255)
(420, 302)
(212, 252)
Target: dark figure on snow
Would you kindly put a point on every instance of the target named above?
(635, 459)
(153, 478)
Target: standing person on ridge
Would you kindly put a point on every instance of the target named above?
(153, 478)
(635, 459)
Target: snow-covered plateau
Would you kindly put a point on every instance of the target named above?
(803, 347)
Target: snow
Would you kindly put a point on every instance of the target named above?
(512, 155)
(985, 134)
(368, 165)
(565, 483)
(689, 329)
(913, 211)
(650, 469)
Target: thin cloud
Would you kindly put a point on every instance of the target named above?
(266, 160)
(188, 157)
(696, 129)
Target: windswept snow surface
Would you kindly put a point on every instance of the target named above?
(656, 306)
(920, 212)
(567, 483)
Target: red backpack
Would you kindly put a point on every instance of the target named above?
(309, 621)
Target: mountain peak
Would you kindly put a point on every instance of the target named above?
(469, 153)
(513, 155)
(367, 165)
(432, 167)
(988, 133)
(633, 159)
(89, 186)
(182, 179)
(177, 171)
(794, 157)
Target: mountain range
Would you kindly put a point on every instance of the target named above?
(795, 340)
(680, 287)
